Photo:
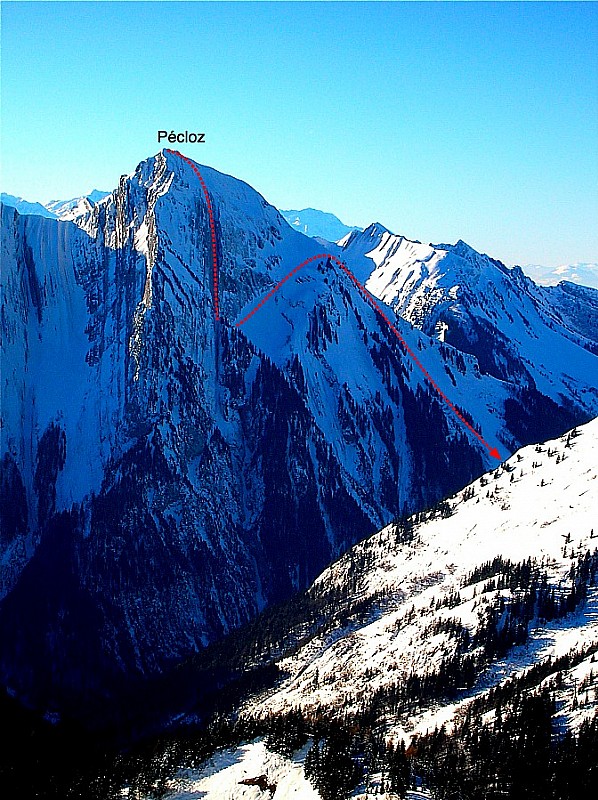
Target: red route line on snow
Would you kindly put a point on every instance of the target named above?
(279, 284)
(212, 231)
(492, 451)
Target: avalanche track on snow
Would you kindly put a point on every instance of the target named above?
(493, 451)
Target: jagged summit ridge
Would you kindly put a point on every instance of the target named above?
(475, 304)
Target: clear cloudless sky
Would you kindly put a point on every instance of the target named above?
(441, 120)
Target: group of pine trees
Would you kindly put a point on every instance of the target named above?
(517, 755)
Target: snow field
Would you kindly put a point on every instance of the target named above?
(222, 776)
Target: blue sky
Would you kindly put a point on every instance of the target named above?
(440, 120)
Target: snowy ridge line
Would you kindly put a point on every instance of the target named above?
(493, 451)
(212, 230)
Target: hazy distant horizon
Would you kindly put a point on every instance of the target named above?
(441, 120)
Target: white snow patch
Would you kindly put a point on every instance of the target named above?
(228, 775)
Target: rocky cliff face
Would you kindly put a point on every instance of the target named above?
(165, 476)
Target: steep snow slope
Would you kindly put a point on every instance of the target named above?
(319, 331)
(412, 598)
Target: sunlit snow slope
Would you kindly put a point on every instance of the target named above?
(413, 597)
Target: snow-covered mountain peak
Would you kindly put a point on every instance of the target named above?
(212, 466)
(255, 246)
(366, 238)
(375, 229)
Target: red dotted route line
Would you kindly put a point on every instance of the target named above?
(280, 283)
(212, 230)
(492, 451)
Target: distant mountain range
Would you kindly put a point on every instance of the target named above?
(314, 223)
(24, 206)
(585, 274)
(55, 209)
(70, 209)
(319, 224)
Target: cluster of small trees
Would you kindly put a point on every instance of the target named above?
(331, 765)
(343, 753)
(517, 755)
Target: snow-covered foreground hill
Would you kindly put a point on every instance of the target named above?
(488, 599)
(411, 603)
